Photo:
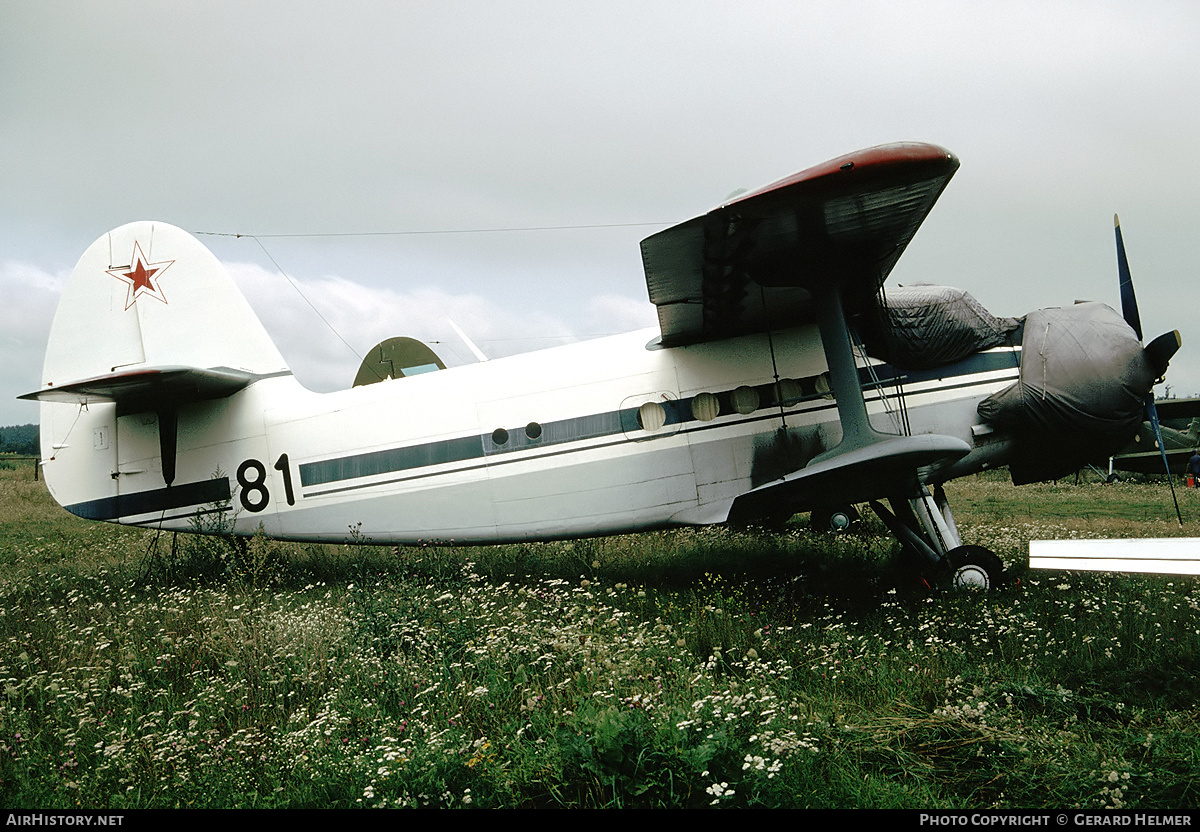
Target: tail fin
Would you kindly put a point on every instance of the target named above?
(148, 294)
(149, 322)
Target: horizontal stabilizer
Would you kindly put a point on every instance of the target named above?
(149, 388)
(878, 470)
(1161, 556)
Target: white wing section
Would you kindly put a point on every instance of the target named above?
(1163, 555)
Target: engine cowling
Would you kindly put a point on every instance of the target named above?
(1081, 393)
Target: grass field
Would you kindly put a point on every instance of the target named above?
(686, 669)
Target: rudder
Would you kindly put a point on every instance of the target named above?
(151, 294)
(150, 323)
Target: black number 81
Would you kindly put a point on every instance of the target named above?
(252, 479)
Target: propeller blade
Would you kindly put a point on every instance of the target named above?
(1162, 449)
(1161, 349)
(1158, 352)
(1129, 308)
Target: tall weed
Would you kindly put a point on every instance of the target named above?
(689, 668)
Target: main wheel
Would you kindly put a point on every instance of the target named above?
(974, 567)
(837, 519)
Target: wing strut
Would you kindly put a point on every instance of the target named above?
(843, 374)
(865, 464)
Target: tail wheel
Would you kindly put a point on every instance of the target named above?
(974, 567)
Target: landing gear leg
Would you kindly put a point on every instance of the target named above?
(926, 530)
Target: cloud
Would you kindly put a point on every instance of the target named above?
(323, 325)
(30, 298)
(413, 117)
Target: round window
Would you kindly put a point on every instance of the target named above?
(822, 385)
(745, 400)
(705, 407)
(790, 392)
(652, 416)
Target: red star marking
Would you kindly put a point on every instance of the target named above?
(141, 276)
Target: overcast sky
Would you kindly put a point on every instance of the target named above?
(322, 118)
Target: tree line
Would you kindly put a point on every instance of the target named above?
(19, 439)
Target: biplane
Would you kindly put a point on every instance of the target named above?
(1178, 434)
(782, 378)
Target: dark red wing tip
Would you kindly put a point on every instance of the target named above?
(896, 154)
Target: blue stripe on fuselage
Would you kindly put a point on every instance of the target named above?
(678, 412)
(159, 499)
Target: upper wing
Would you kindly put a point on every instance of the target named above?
(1178, 411)
(744, 266)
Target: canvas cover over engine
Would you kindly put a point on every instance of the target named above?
(917, 327)
(1080, 393)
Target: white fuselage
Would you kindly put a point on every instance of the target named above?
(599, 437)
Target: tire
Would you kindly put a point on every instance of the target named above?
(837, 519)
(973, 567)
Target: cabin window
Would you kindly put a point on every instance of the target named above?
(705, 407)
(652, 416)
(499, 436)
(822, 385)
(745, 400)
(533, 430)
(789, 392)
